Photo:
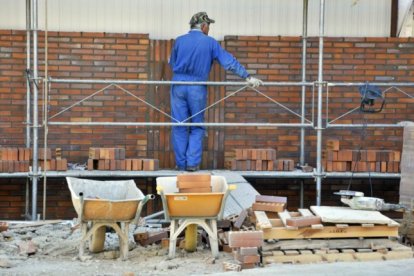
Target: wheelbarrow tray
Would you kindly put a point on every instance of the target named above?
(181, 205)
(105, 200)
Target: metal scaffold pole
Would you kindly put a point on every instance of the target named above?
(319, 120)
(35, 112)
(303, 109)
(28, 103)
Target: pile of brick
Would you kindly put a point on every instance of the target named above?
(245, 246)
(19, 160)
(15, 159)
(194, 183)
(342, 160)
(260, 160)
(48, 163)
(113, 159)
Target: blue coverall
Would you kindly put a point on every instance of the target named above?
(191, 59)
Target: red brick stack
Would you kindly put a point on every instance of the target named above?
(15, 159)
(194, 183)
(269, 203)
(260, 160)
(342, 160)
(47, 163)
(245, 246)
(113, 159)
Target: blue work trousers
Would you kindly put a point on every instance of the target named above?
(187, 100)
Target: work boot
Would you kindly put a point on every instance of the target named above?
(192, 168)
(178, 168)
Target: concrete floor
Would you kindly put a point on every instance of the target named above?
(374, 268)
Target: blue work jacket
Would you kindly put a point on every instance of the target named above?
(194, 53)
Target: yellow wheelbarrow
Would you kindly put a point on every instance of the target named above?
(203, 209)
(100, 204)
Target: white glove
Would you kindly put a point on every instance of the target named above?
(253, 82)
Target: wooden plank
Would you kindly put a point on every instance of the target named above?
(341, 244)
(302, 259)
(283, 217)
(330, 232)
(407, 167)
(262, 220)
(348, 215)
(303, 221)
(305, 213)
(268, 206)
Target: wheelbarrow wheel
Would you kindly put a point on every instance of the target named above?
(97, 241)
(191, 238)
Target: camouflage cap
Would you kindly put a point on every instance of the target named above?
(199, 18)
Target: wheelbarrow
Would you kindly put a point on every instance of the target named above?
(184, 209)
(101, 204)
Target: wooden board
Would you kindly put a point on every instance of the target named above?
(348, 215)
(342, 244)
(407, 167)
(338, 257)
(308, 251)
(280, 232)
(262, 222)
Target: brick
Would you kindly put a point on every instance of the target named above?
(153, 237)
(240, 219)
(94, 153)
(193, 184)
(227, 266)
(195, 190)
(268, 206)
(42, 156)
(332, 145)
(303, 221)
(247, 251)
(267, 198)
(194, 177)
(245, 239)
(248, 259)
(136, 164)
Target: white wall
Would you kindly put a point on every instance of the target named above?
(165, 19)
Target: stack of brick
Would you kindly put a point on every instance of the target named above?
(113, 159)
(194, 183)
(245, 246)
(260, 160)
(15, 159)
(48, 163)
(269, 203)
(341, 160)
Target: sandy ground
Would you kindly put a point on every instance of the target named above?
(57, 249)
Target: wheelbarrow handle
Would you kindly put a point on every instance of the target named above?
(141, 205)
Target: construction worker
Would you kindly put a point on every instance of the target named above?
(191, 59)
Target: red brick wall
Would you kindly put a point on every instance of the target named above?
(345, 60)
(135, 56)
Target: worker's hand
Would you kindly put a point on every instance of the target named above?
(253, 82)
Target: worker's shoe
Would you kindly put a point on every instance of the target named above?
(192, 168)
(177, 168)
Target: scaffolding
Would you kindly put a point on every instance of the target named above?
(32, 124)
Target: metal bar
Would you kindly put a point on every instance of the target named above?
(304, 50)
(45, 104)
(257, 174)
(179, 124)
(35, 113)
(28, 104)
(151, 82)
(362, 175)
(320, 91)
(361, 125)
(344, 84)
